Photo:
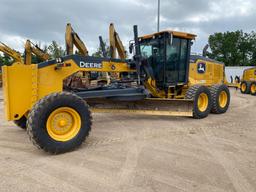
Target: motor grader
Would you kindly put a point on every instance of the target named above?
(248, 82)
(59, 121)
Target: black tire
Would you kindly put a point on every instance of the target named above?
(253, 88)
(37, 120)
(21, 123)
(216, 91)
(247, 86)
(193, 93)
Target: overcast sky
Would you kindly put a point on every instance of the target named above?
(45, 20)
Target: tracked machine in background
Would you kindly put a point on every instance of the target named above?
(59, 121)
(248, 82)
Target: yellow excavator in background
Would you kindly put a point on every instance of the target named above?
(116, 50)
(11, 52)
(79, 80)
(73, 40)
(15, 55)
(74, 44)
(115, 44)
(31, 48)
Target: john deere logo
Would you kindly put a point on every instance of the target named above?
(201, 67)
(90, 65)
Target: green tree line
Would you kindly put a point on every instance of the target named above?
(233, 48)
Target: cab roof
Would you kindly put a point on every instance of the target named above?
(174, 33)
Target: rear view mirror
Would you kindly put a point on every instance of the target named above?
(131, 47)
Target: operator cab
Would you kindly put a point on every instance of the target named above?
(167, 53)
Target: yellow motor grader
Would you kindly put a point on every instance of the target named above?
(248, 83)
(59, 121)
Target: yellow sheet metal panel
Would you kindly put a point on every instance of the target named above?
(20, 89)
(249, 74)
(206, 72)
(51, 80)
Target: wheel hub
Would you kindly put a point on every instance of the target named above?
(223, 99)
(253, 89)
(203, 102)
(243, 87)
(63, 124)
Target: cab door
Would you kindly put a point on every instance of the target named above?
(177, 60)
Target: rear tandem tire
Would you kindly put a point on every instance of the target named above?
(202, 100)
(245, 87)
(253, 88)
(220, 98)
(59, 122)
(21, 123)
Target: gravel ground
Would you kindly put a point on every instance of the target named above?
(141, 153)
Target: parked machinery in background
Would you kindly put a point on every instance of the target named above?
(75, 45)
(15, 55)
(248, 82)
(117, 49)
(81, 79)
(30, 49)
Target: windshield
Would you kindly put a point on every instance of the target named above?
(154, 51)
(168, 60)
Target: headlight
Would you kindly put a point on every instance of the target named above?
(58, 60)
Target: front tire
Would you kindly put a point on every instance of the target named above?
(220, 98)
(202, 100)
(59, 122)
